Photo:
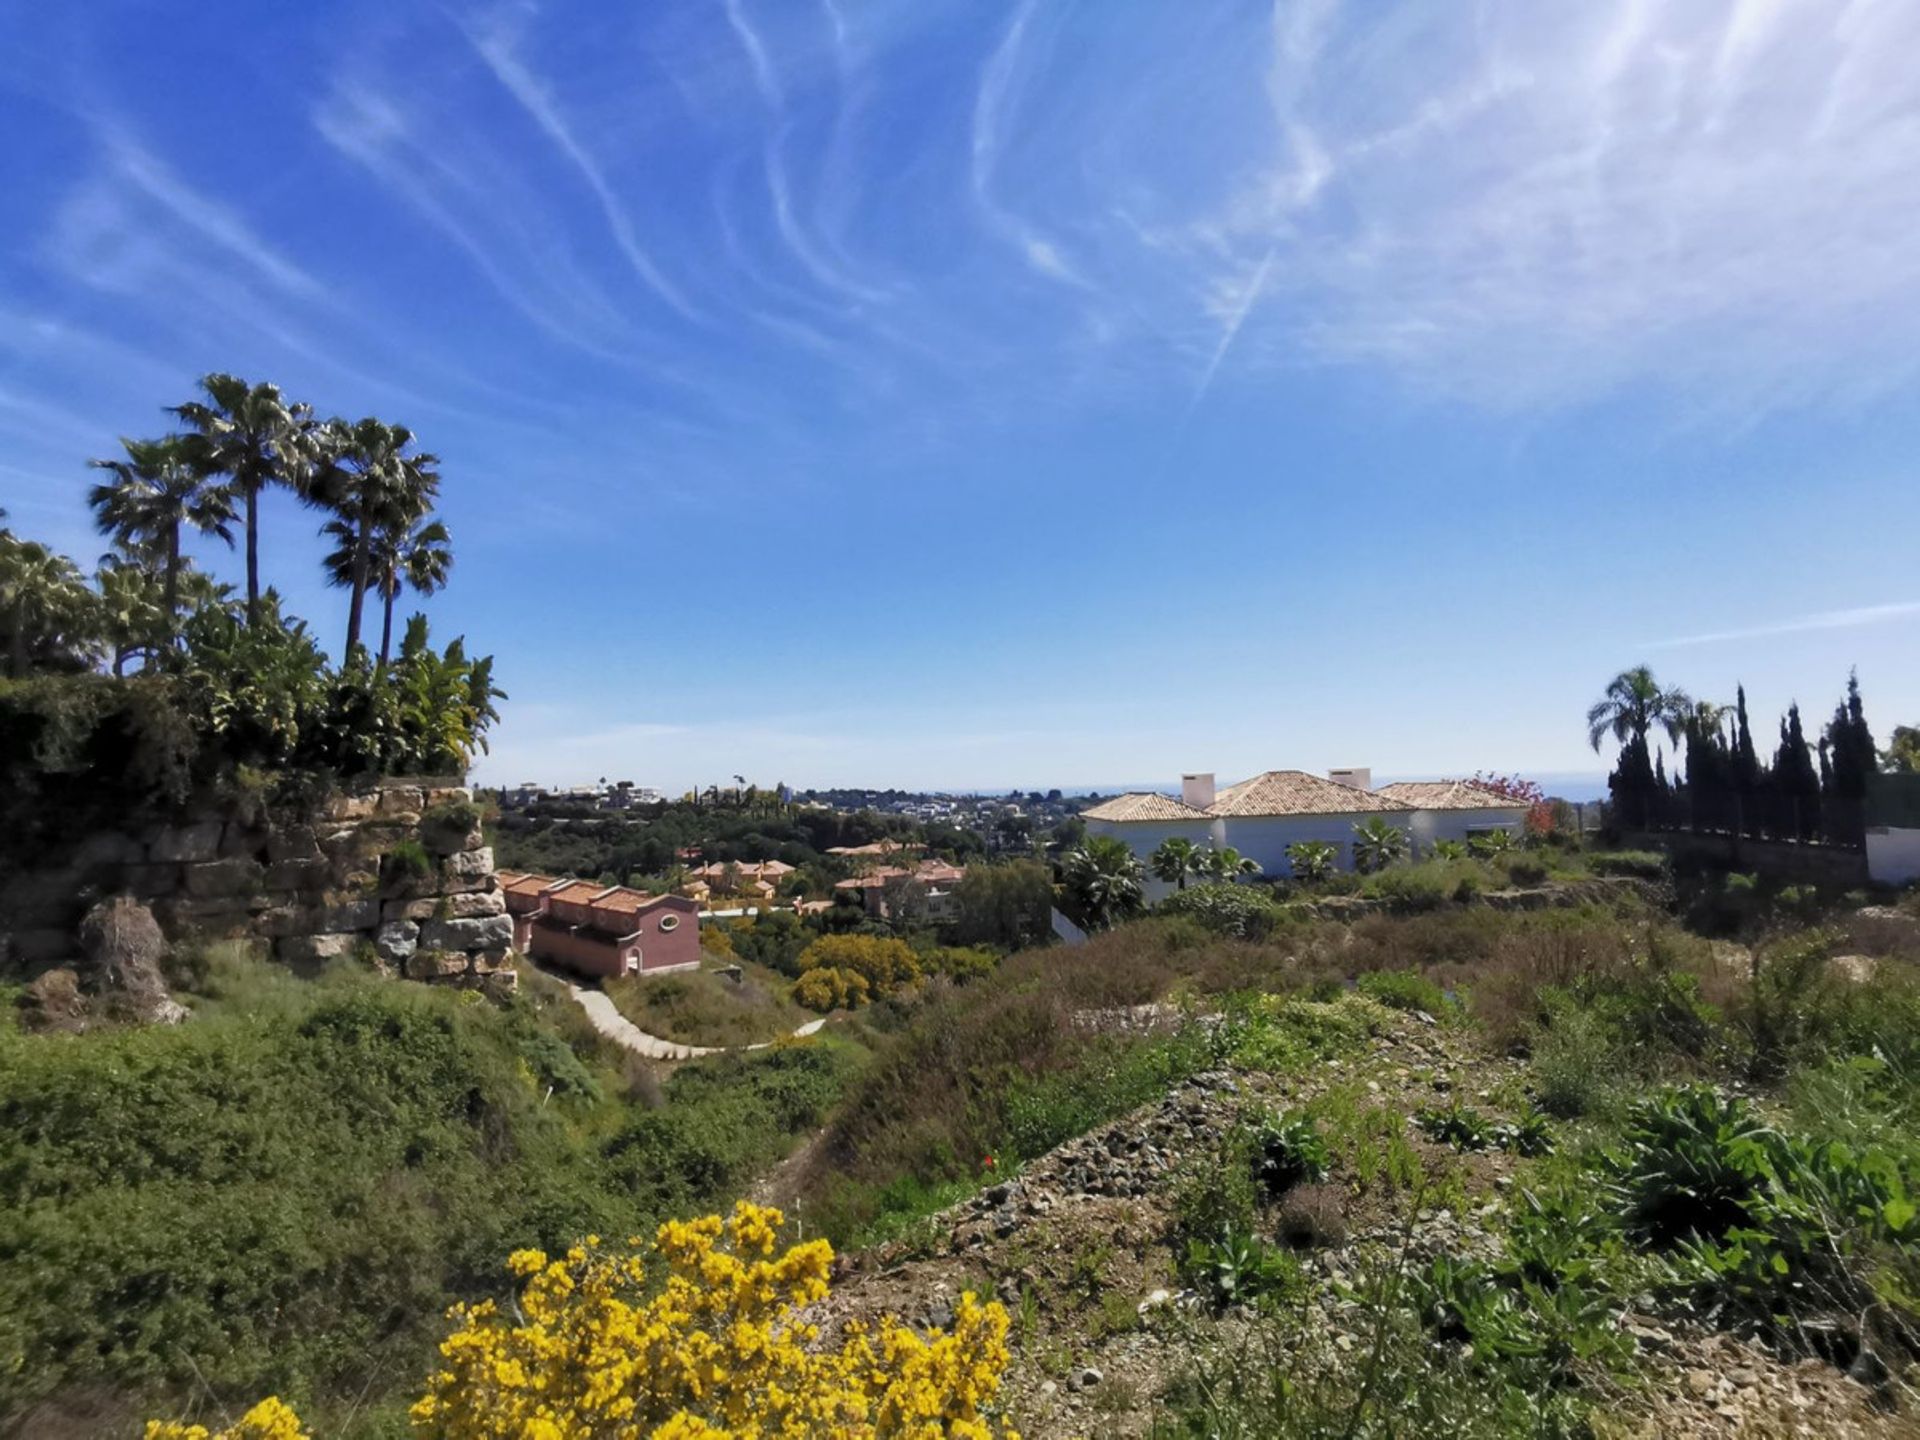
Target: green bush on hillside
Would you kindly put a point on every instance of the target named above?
(1242, 912)
(307, 1175)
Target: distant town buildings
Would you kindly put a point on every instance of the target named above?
(926, 889)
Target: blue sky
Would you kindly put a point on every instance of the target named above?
(943, 392)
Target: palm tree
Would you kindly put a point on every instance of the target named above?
(1176, 859)
(365, 475)
(416, 557)
(255, 438)
(1376, 845)
(156, 492)
(1101, 881)
(1228, 863)
(1704, 717)
(1633, 705)
(133, 620)
(45, 605)
(424, 556)
(1312, 860)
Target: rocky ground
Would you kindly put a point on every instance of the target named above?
(1079, 1248)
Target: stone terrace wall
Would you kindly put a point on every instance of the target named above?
(398, 866)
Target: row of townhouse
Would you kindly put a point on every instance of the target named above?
(1260, 817)
(601, 930)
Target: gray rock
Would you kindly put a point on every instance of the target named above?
(476, 906)
(303, 874)
(469, 870)
(184, 843)
(124, 948)
(108, 848)
(292, 842)
(352, 806)
(492, 932)
(309, 951)
(223, 878)
(396, 941)
(435, 965)
(400, 801)
(344, 915)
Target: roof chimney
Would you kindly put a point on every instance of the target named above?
(1360, 777)
(1197, 790)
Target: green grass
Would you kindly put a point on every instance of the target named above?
(702, 1007)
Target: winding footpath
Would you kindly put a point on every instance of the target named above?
(608, 1020)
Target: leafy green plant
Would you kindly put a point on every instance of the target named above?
(1458, 1125)
(1239, 1268)
(1376, 845)
(1289, 1150)
(1312, 860)
(1528, 1134)
(1447, 850)
(1489, 844)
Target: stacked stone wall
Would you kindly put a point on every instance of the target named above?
(397, 871)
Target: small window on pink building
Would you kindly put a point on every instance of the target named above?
(669, 922)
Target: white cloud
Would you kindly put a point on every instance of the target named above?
(1823, 620)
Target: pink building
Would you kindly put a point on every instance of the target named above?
(601, 930)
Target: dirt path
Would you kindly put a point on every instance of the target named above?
(608, 1020)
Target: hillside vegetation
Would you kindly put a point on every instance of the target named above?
(284, 1194)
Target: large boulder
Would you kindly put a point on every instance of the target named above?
(53, 1002)
(124, 950)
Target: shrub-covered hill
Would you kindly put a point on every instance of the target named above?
(285, 1193)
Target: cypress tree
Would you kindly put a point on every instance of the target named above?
(1747, 776)
(1855, 757)
(1795, 780)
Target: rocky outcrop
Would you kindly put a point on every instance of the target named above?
(124, 950)
(395, 872)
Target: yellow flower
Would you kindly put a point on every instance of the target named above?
(717, 1352)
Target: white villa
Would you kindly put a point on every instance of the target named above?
(1260, 817)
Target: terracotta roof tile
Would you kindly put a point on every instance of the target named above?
(1294, 792)
(1448, 795)
(1144, 805)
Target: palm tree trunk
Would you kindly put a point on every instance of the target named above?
(390, 592)
(171, 587)
(253, 556)
(357, 605)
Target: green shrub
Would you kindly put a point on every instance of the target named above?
(1243, 912)
(1403, 990)
(1637, 864)
(1577, 1060)
(1525, 871)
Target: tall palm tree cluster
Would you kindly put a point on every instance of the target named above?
(1807, 790)
(235, 441)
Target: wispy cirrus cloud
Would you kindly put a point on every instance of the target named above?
(1820, 620)
(494, 42)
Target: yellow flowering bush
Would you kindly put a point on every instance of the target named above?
(827, 989)
(719, 1351)
(269, 1420)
